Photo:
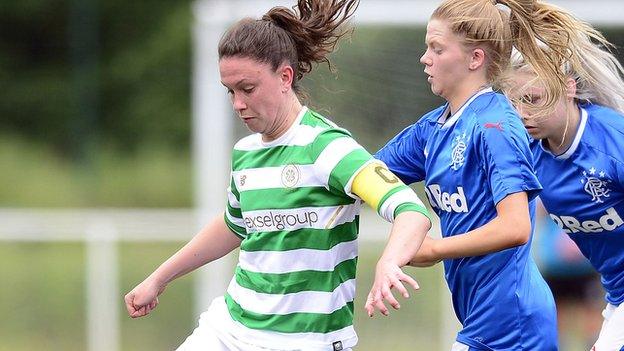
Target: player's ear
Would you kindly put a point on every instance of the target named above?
(287, 76)
(570, 88)
(477, 59)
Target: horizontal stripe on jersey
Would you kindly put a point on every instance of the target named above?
(282, 198)
(403, 196)
(409, 207)
(293, 282)
(294, 322)
(233, 192)
(297, 260)
(315, 302)
(233, 198)
(341, 150)
(235, 212)
(339, 178)
(390, 193)
(271, 178)
(320, 239)
(262, 156)
(233, 224)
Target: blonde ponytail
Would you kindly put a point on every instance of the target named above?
(579, 52)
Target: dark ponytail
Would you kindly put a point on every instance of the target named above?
(300, 37)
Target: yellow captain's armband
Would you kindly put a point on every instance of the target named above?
(373, 183)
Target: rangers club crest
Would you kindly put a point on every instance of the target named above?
(457, 152)
(596, 184)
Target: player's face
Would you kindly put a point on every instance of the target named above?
(256, 91)
(527, 94)
(446, 60)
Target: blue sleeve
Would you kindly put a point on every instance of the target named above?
(404, 155)
(507, 159)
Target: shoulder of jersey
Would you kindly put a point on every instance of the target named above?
(493, 103)
(329, 125)
(252, 139)
(604, 131)
(433, 115)
(604, 117)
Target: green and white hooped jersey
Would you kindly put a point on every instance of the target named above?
(290, 201)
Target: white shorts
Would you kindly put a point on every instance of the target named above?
(458, 346)
(611, 336)
(206, 338)
(212, 333)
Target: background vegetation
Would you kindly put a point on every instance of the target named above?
(95, 106)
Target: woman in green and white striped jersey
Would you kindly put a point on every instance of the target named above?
(296, 190)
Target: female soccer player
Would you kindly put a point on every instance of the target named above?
(293, 201)
(473, 154)
(579, 154)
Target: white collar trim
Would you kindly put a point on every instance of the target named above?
(450, 121)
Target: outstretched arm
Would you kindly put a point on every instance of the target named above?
(397, 203)
(511, 227)
(214, 241)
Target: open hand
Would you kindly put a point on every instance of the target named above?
(388, 275)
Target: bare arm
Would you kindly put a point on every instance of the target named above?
(511, 227)
(406, 236)
(214, 241)
(397, 203)
(408, 232)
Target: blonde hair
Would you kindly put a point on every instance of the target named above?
(596, 71)
(482, 23)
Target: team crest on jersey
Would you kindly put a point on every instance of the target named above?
(595, 184)
(290, 176)
(457, 152)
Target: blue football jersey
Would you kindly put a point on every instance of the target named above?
(584, 192)
(470, 161)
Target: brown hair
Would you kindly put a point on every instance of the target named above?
(300, 37)
(523, 24)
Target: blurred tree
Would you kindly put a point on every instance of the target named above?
(34, 69)
(379, 86)
(139, 71)
(132, 87)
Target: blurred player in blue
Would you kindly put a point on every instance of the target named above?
(580, 153)
(473, 155)
(572, 280)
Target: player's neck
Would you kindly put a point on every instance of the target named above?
(464, 94)
(289, 114)
(561, 140)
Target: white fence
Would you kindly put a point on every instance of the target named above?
(102, 229)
